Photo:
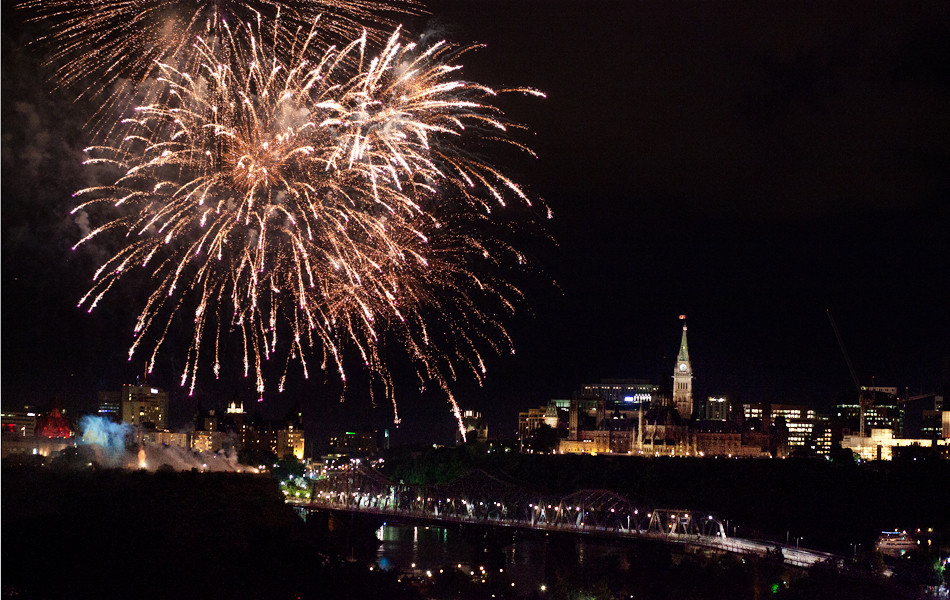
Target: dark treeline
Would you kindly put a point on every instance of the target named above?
(104, 534)
(832, 505)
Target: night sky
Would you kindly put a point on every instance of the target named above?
(747, 165)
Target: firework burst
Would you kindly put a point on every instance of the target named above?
(309, 206)
(119, 42)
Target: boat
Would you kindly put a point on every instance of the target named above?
(895, 543)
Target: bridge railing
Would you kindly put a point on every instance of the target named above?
(486, 500)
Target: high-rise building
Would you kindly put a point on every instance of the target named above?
(290, 441)
(144, 405)
(922, 416)
(365, 442)
(110, 405)
(717, 409)
(753, 411)
(683, 381)
(807, 431)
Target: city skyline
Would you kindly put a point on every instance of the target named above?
(693, 165)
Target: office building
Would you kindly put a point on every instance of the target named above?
(144, 406)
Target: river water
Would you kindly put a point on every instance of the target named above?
(528, 560)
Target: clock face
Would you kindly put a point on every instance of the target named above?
(682, 367)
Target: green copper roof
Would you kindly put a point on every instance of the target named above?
(684, 350)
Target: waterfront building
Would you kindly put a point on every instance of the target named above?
(610, 418)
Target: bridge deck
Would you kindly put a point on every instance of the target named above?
(796, 556)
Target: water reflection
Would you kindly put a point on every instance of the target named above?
(528, 560)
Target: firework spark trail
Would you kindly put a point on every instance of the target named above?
(119, 42)
(309, 197)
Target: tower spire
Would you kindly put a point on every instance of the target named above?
(683, 379)
(683, 356)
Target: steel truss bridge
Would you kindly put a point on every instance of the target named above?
(479, 498)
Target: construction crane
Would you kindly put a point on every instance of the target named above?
(862, 402)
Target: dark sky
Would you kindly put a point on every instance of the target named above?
(748, 165)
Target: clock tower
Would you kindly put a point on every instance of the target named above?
(683, 380)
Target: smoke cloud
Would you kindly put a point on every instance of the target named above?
(112, 445)
(106, 439)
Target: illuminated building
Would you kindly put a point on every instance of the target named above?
(922, 416)
(21, 423)
(881, 443)
(731, 445)
(110, 405)
(476, 429)
(53, 425)
(258, 440)
(753, 411)
(529, 421)
(630, 416)
(207, 440)
(290, 441)
(811, 435)
(717, 409)
(361, 443)
(32, 432)
(883, 409)
(282, 439)
(683, 380)
(792, 411)
(805, 430)
(144, 405)
(166, 438)
(936, 424)
(624, 392)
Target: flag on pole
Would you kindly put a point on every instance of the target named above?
(682, 317)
